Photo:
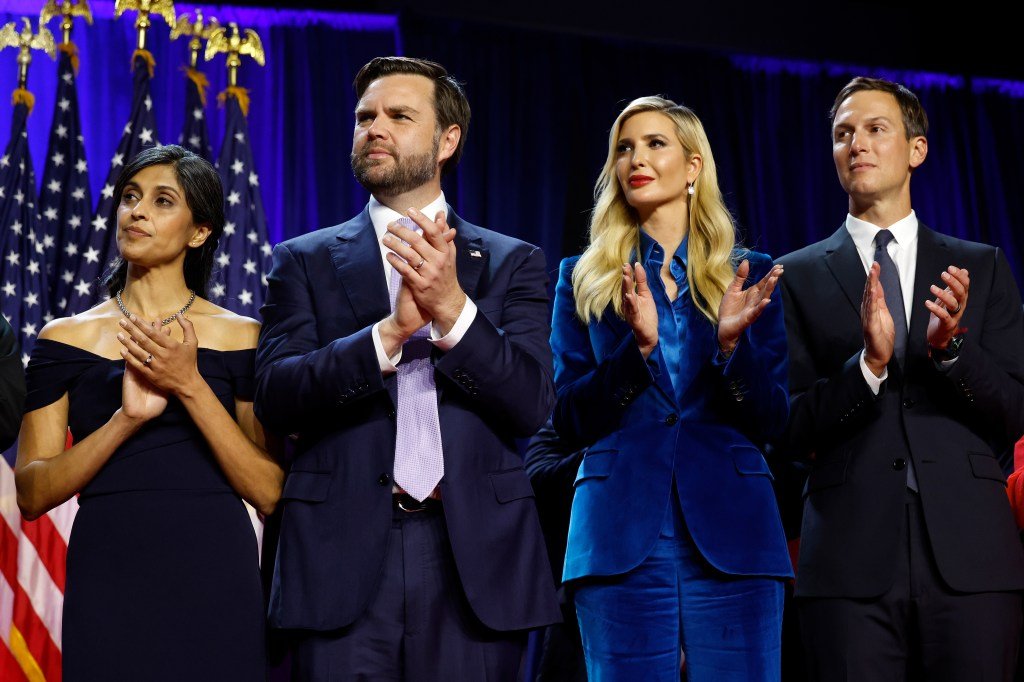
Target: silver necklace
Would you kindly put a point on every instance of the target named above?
(167, 320)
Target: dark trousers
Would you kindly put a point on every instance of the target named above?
(918, 630)
(419, 626)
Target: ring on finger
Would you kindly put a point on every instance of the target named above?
(954, 312)
(148, 360)
(420, 264)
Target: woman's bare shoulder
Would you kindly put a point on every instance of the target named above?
(223, 329)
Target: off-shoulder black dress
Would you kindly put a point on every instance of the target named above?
(162, 567)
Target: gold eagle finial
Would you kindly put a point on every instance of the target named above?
(26, 41)
(199, 30)
(67, 10)
(163, 8)
(235, 45)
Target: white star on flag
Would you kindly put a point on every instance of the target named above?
(92, 255)
(78, 193)
(50, 213)
(234, 198)
(68, 278)
(229, 228)
(237, 167)
(61, 131)
(74, 221)
(81, 166)
(54, 186)
(10, 289)
(99, 222)
(64, 103)
(108, 191)
(223, 260)
(13, 258)
(245, 297)
(217, 290)
(82, 287)
(31, 299)
(250, 267)
(146, 136)
(254, 179)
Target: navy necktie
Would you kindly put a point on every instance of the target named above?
(890, 280)
(889, 277)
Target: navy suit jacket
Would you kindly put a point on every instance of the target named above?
(951, 424)
(318, 377)
(639, 438)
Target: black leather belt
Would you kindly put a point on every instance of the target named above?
(409, 504)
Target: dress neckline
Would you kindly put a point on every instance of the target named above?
(119, 359)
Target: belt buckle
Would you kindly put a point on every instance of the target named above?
(409, 504)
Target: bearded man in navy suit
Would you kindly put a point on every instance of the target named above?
(407, 349)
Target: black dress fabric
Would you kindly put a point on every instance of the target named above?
(163, 575)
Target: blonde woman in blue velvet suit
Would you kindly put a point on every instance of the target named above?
(670, 369)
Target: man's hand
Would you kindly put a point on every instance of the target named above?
(948, 307)
(878, 327)
(427, 265)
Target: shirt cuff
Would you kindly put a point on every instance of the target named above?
(458, 330)
(387, 365)
(945, 365)
(874, 383)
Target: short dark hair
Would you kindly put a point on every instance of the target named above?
(204, 196)
(450, 103)
(915, 120)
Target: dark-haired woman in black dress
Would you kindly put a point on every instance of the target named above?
(163, 569)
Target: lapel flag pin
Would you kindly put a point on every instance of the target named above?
(475, 254)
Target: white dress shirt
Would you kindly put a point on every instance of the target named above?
(903, 251)
(380, 216)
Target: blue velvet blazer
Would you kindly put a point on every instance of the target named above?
(639, 437)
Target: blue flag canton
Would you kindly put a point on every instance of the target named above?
(244, 255)
(64, 197)
(139, 133)
(195, 136)
(23, 295)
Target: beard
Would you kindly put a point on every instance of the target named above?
(404, 175)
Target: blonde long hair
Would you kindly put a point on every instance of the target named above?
(615, 229)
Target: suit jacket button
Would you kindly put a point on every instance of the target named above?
(391, 414)
(384, 479)
(899, 464)
(908, 403)
(671, 419)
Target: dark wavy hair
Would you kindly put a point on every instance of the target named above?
(204, 196)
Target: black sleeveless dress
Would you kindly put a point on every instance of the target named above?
(163, 577)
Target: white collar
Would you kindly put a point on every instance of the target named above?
(381, 215)
(904, 231)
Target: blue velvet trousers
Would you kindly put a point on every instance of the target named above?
(633, 625)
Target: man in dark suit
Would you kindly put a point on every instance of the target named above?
(904, 392)
(410, 547)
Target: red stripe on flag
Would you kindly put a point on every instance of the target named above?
(10, 671)
(37, 637)
(49, 545)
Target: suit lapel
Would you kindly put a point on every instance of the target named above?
(471, 255)
(844, 263)
(357, 264)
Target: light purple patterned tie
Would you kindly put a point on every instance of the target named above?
(419, 463)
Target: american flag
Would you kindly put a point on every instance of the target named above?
(139, 133)
(194, 136)
(244, 254)
(64, 197)
(31, 554)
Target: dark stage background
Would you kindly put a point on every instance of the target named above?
(543, 100)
